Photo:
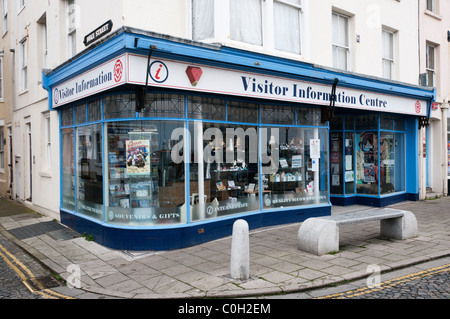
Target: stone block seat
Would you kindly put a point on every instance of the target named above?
(320, 235)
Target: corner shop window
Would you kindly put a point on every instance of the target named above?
(89, 171)
(68, 170)
(144, 185)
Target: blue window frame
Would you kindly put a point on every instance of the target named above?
(213, 188)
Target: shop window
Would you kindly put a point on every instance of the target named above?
(243, 112)
(223, 170)
(119, 106)
(164, 105)
(89, 171)
(68, 170)
(392, 159)
(337, 163)
(145, 186)
(67, 116)
(367, 162)
(200, 107)
(94, 110)
(277, 114)
(294, 166)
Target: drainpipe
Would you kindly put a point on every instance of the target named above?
(444, 110)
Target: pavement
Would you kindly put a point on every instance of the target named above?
(277, 266)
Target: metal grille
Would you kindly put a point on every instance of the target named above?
(80, 113)
(243, 112)
(277, 114)
(164, 105)
(94, 110)
(206, 108)
(119, 106)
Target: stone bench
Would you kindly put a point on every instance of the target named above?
(320, 235)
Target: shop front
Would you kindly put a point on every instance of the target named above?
(165, 143)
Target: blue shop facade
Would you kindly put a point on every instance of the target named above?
(166, 142)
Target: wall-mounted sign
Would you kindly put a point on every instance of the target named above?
(163, 73)
(105, 76)
(98, 33)
(240, 83)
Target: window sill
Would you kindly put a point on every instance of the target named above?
(45, 174)
(433, 15)
(23, 92)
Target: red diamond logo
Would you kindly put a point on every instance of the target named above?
(194, 74)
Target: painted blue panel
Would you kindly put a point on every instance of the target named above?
(181, 237)
(412, 158)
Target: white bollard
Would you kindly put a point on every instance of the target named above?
(240, 252)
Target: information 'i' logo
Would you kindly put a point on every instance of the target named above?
(158, 71)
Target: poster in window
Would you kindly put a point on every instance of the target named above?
(138, 160)
(314, 145)
(369, 173)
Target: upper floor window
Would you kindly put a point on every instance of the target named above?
(287, 22)
(5, 16)
(388, 54)
(71, 28)
(431, 5)
(271, 24)
(246, 21)
(23, 48)
(21, 5)
(431, 65)
(1, 78)
(340, 41)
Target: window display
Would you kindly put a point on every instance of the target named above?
(367, 163)
(296, 173)
(392, 150)
(89, 171)
(209, 157)
(145, 186)
(223, 170)
(68, 170)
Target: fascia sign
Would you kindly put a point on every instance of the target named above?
(166, 73)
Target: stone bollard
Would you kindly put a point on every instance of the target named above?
(240, 252)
